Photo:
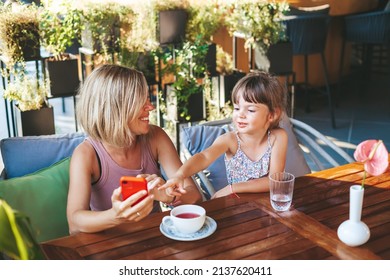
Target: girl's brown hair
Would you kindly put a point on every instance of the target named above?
(262, 87)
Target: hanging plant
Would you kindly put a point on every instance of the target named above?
(259, 21)
(19, 34)
(60, 27)
(27, 92)
(204, 20)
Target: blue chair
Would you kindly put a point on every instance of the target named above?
(367, 31)
(308, 30)
(197, 138)
(320, 152)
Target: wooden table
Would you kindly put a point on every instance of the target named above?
(248, 228)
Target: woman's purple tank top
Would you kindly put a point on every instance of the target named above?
(111, 173)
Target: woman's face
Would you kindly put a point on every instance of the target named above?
(250, 117)
(141, 124)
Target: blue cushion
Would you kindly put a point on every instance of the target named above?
(24, 155)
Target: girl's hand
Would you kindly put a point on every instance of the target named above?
(175, 186)
(125, 212)
(155, 186)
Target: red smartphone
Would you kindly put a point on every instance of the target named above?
(131, 185)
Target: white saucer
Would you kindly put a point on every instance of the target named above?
(208, 228)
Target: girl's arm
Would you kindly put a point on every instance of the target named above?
(277, 164)
(84, 170)
(170, 161)
(199, 161)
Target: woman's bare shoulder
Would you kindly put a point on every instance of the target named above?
(84, 150)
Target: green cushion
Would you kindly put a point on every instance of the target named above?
(42, 196)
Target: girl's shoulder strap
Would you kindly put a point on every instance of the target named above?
(238, 140)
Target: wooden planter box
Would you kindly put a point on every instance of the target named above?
(172, 26)
(35, 122)
(196, 106)
(63, 76)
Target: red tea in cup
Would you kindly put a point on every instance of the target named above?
(187, 215)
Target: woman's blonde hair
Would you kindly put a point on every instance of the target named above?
(110, 98)
(262, 87)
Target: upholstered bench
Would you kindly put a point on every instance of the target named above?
(35, 180)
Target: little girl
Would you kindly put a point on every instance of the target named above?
(256, 148)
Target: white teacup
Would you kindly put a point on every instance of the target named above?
(186, 218)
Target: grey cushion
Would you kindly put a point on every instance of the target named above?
(295, 160)
(198, 138)
(24, 155)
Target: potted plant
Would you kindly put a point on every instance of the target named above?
(184, 97)
(172, 18)
(260, 23)
(60, 27)
(204, 20)
(33, 113)
(102, 26)
(138, 44)
(19, 35)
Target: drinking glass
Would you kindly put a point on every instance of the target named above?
(281, 187)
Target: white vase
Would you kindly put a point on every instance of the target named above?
(354, 232)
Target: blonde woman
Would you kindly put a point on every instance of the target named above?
(113, 109)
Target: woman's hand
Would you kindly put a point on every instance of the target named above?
(155, 183)
(125, 212)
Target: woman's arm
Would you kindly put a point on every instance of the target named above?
(83, 170)
(170, 162)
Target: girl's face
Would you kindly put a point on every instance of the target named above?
(251, 117)
(141, 124)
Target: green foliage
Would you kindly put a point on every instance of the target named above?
(224, 62)
(17, 240)
(60, 26)
(19, 29)
(142, 35)
(259, 21)
(28, 93)
(105, 21)
(164, 5)
(187, 64)
(204, 19)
